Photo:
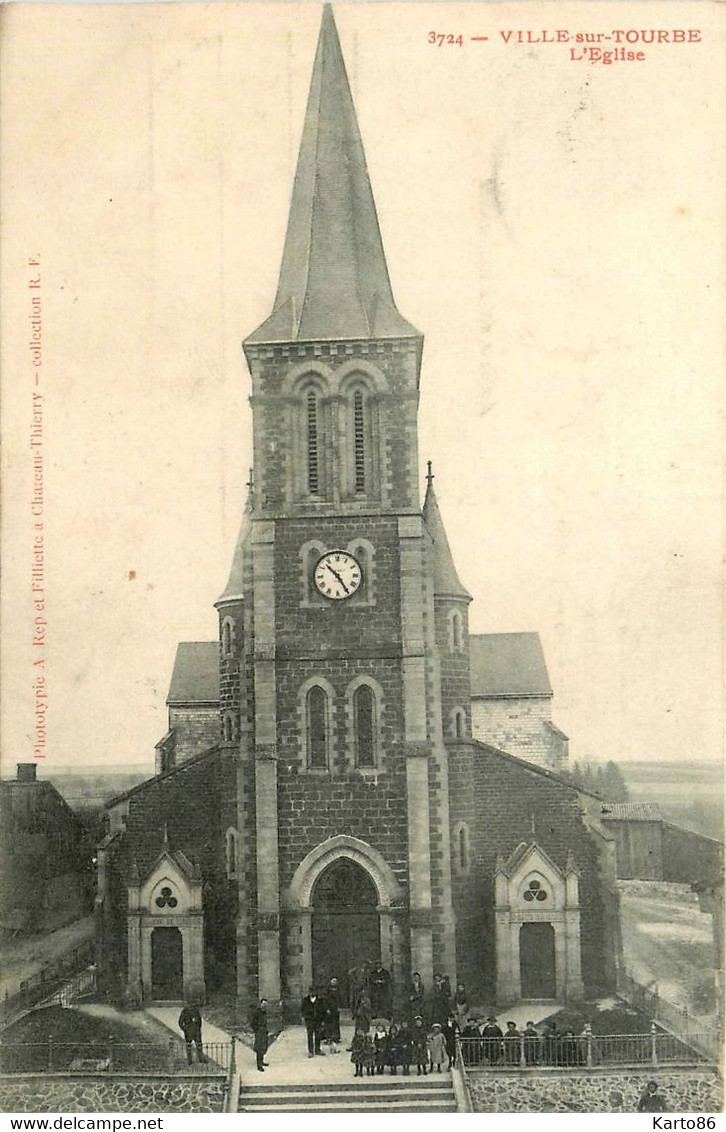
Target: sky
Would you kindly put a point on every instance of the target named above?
(552, 226)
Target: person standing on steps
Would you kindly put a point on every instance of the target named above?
(312, 1009)
(190, 1024)
(332, 1015)
(259, 1028)
(380, 987)
(419, 1046)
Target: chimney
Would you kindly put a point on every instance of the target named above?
(27, 772)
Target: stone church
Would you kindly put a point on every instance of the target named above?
(348, 773)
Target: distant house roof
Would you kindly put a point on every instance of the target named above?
(508, 664)
(631, 811)
(195, 679)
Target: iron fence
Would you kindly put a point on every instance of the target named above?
(572, 1051)
(708, 1040)
(41, 985)
(109, 1056)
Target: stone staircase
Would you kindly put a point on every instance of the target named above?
(404, 1094)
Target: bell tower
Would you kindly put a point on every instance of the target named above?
(332, 596)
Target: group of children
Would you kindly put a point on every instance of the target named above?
(404, 1045)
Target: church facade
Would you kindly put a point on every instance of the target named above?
(320, 795)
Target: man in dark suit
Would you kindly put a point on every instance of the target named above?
(262, 1038)
(312, 1009)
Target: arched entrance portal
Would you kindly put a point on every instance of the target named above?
(167, 965)
(537, 960)
(345, 923)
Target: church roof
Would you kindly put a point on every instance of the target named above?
(631, 811)
(508, 664)
(234, 588)
(195, 678)
(446, 579)
(334, 280)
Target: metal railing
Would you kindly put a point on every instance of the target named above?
(572, 1051)
(110, 1056)
(41, 986)
(676, 1019)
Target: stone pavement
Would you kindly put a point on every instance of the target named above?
(169, 1015)
(287, 1057)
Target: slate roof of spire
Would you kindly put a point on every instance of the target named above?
(334, 280)
(446, 579)
(234, 587)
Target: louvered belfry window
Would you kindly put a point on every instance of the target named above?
(359, 444)
(313, 449)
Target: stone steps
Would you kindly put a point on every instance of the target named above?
(402, 1095)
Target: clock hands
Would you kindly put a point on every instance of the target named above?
(337, 576)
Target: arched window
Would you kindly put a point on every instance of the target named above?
(230, 852)
(317, 728)
(361, 431)
(359, 442)
(461, 850)
(227, 636)
(229, 728)
(313, 443)
(364, 726)
(457, 633)
(458, 723)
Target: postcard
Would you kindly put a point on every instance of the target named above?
(362, 449)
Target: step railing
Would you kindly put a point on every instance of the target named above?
(42, 984)
(708, 1040)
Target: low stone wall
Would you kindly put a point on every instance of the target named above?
(593, 1090)
(111, 1092)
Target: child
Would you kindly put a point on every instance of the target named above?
(419, 1053)
(380, 1041)
(357, 1049)
(394, 1049)
(369, 1055)
(436, 1046)
(451, 1029)
(404, 1045)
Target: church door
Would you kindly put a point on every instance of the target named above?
(537, 960)
(345, 927)
(167, 965)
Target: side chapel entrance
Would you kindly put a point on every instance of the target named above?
(537, 960)
(345, 923)
(167, 965)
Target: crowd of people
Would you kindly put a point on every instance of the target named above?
(421, 1032)
(487, 1044)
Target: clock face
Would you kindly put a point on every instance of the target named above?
(338, 575)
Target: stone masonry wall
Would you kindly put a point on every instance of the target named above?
(504, 801)
(595, 1090)
(518, 726)
(196, 729)
(61, 1092)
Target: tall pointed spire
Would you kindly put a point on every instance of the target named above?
(334, 280)
(446, 579)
